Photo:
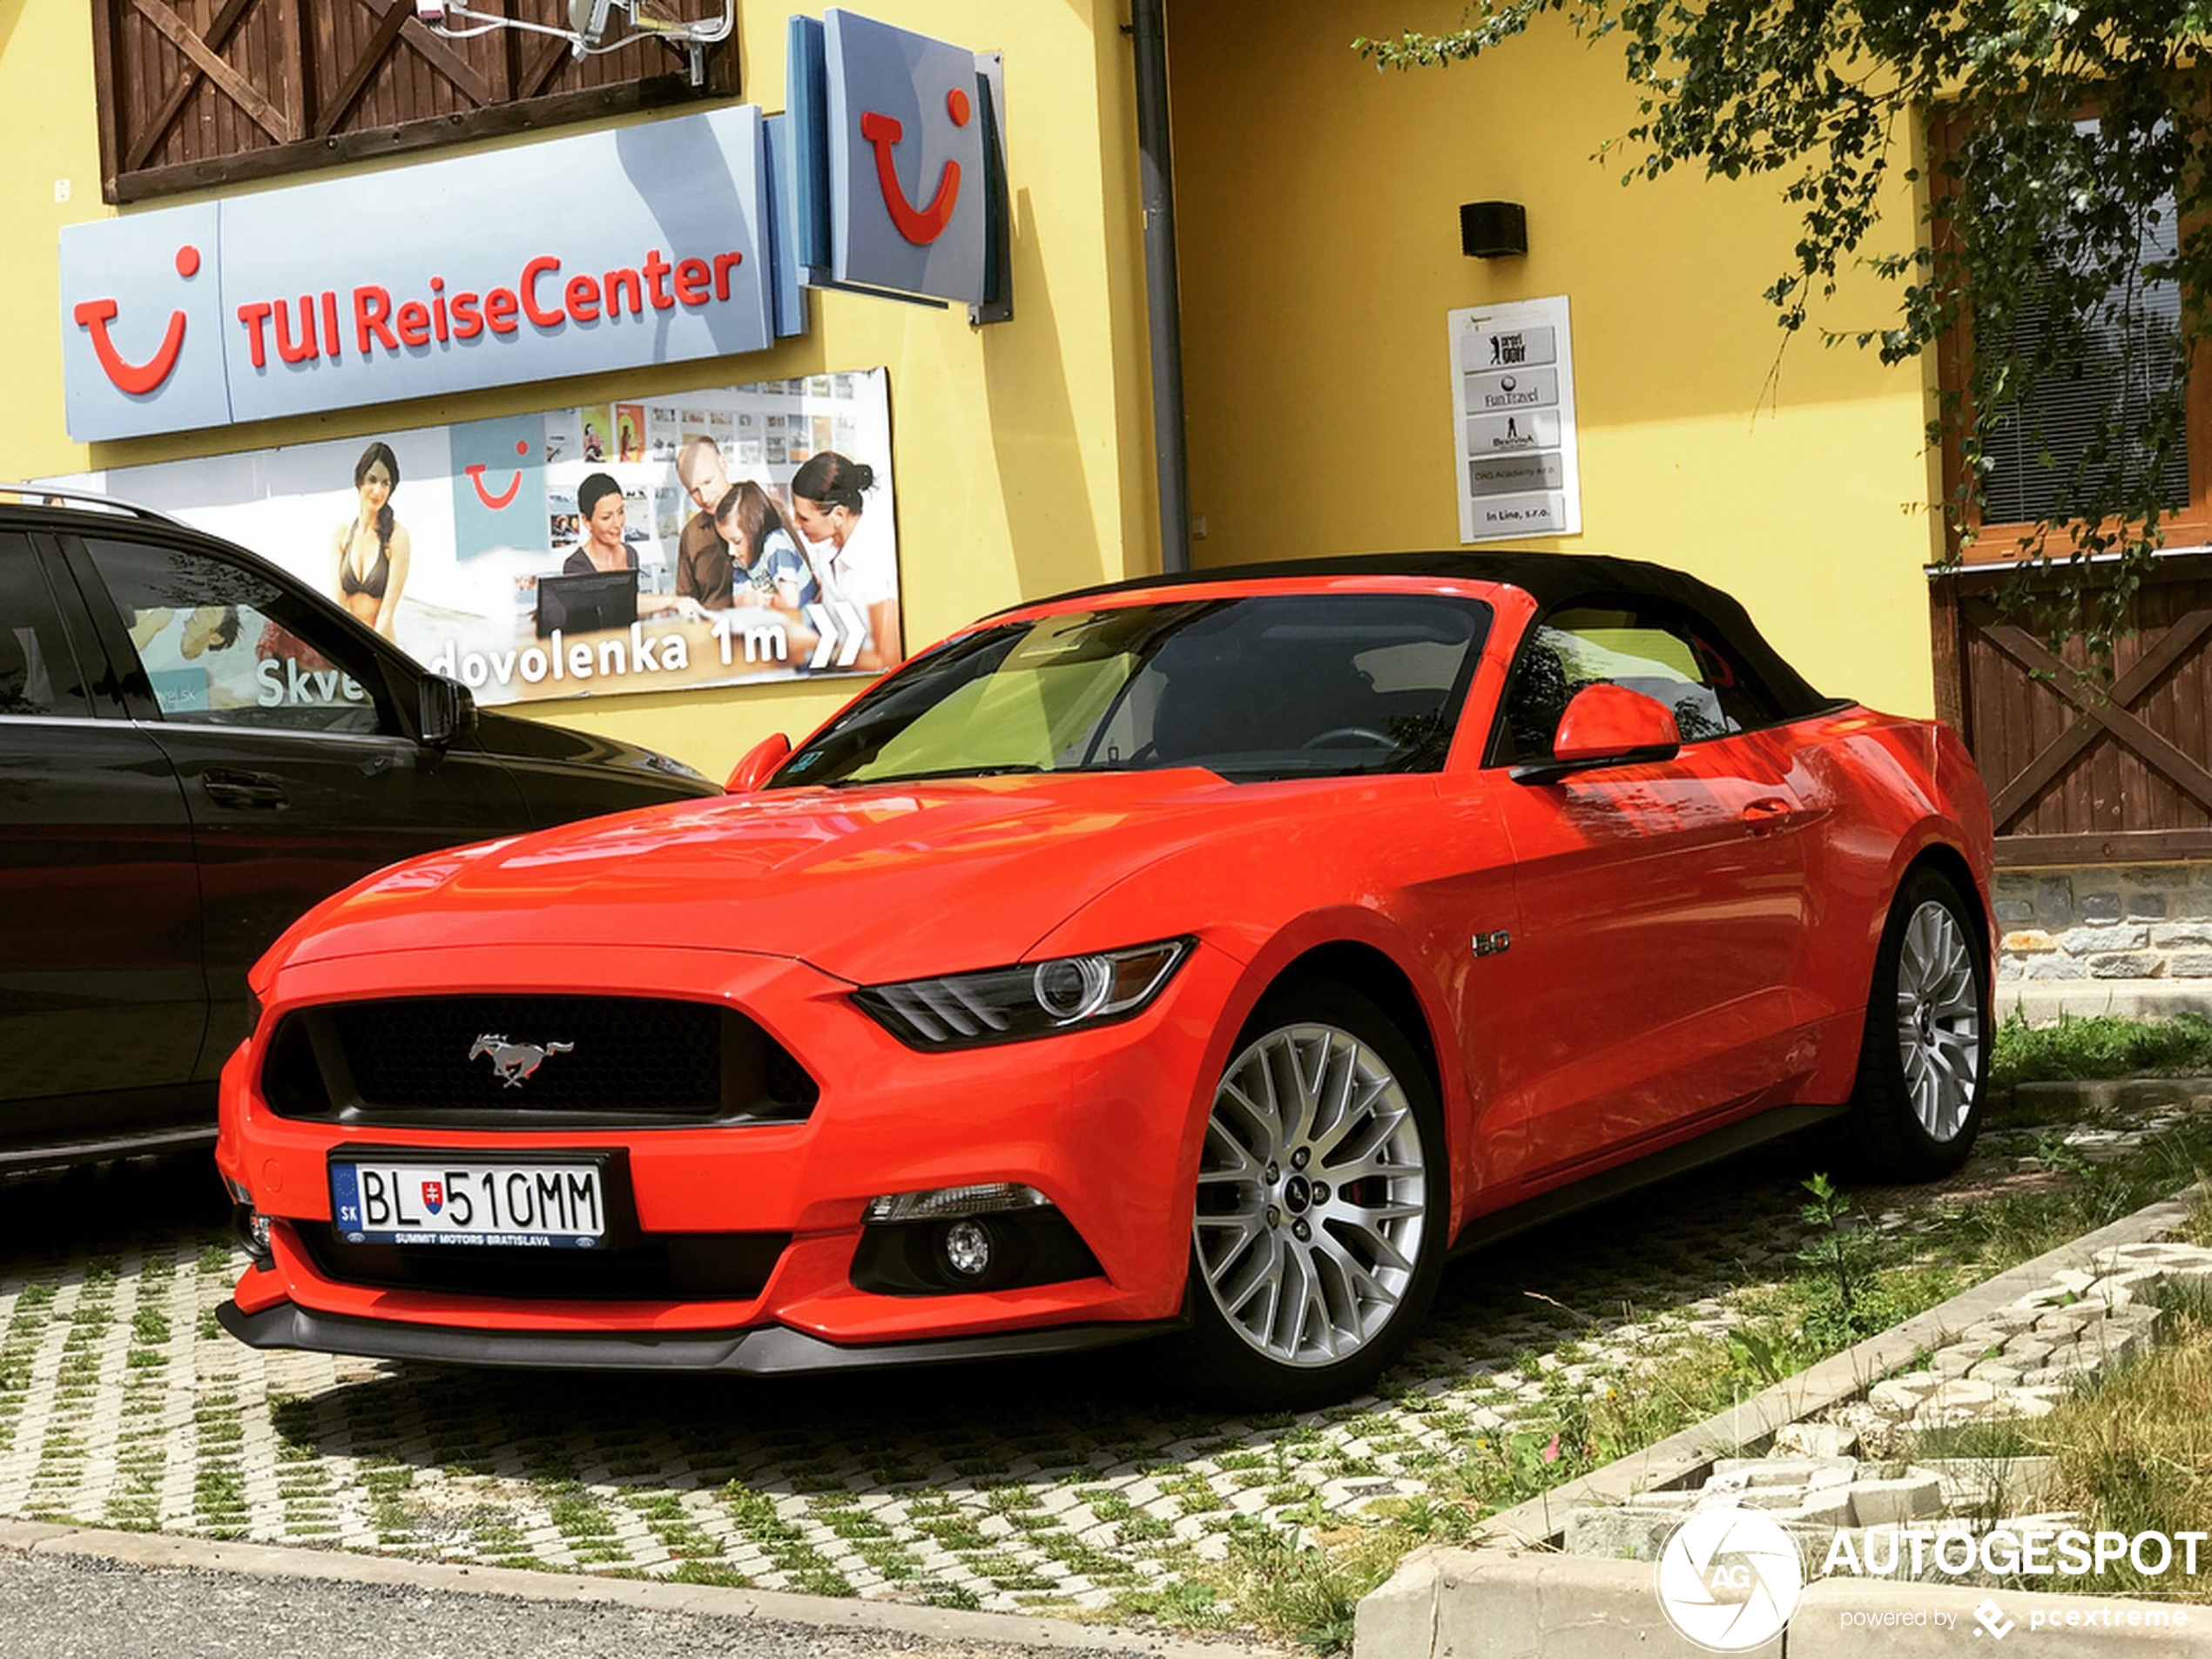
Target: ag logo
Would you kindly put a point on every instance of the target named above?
(94, 316)
(1729, 1579)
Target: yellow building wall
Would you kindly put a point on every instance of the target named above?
(1020, 452)
(1317, 205)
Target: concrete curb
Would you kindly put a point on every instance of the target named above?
(2116, 1094)
(2041, 1002)
(167, 1551)
(1683, 1457)
(1505, 1604)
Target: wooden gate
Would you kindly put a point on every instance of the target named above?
(198, 93)
(2080, 773)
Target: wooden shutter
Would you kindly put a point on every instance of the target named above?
(198, 93)
(2078, 772)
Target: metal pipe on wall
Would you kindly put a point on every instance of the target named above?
(1162, 294)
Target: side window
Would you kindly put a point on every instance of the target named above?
(1666, 657)
(39, 672)
(225, 645)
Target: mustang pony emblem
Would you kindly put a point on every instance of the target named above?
(515, 1061)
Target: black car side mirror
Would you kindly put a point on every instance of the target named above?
(448, 713)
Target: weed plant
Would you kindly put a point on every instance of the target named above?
(2099, 1047)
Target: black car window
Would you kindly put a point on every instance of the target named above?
(223, 644)
(1669, 657)
(39, 672)
(1276, 685)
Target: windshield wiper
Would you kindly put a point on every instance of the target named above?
(1002, 770)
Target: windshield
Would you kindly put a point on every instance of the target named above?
(1286, 685)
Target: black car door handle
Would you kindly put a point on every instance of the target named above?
(247, 789)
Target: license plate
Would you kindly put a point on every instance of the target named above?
(529, 1205)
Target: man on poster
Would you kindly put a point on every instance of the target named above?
(703, 570)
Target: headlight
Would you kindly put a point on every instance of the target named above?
(670, 765)
(1029, 1000)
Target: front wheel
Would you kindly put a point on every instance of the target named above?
(1317, 1233)
(1924, 1061)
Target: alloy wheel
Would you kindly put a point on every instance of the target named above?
(1939, 1020)
(1311, 1195)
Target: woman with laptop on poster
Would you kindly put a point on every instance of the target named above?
(606, 516)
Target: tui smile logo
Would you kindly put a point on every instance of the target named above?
(501, 501)
(920, 226)
(137, 378)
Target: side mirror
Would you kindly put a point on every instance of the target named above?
(1607, 726)
(448, 713)
(760, 765)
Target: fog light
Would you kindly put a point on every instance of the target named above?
(968, 1249)
(251, 1228)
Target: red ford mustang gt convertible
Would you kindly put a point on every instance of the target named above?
(1210, 954)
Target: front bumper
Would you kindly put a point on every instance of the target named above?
(768, 1351)
(1105, 1123)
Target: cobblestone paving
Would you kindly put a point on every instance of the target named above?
(1038, 1484)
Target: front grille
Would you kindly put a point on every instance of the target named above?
(532, 1061)
(667, 1267)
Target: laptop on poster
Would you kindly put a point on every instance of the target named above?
(578, 605)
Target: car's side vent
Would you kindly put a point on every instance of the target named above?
(786, 1088)
(291, 1082)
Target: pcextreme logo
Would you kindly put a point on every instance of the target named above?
(920, 226)
(138, 380)
(1729, 1579)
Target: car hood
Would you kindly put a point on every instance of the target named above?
(869, 884)
(513, 739)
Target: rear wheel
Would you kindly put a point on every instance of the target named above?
(1322, 1196)
(1924, 1062)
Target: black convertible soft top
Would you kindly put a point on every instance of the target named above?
(1552, 580)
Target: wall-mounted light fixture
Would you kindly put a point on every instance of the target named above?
(1493, 230)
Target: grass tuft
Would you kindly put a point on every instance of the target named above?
(2099, 1047)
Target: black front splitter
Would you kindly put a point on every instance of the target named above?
(763, 1351)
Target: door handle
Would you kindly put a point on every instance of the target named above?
(252, 790)
(1767, 814)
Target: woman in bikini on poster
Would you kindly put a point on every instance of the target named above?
(371, 550)
(373, 547)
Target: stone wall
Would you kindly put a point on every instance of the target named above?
(2106, 921)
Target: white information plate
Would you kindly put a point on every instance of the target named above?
(537, 1205)
(1513, 412)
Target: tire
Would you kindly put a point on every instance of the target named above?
(1924, 1060)
(1304, 1287)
